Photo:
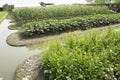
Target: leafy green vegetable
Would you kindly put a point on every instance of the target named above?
(52, 26)
(95, 56)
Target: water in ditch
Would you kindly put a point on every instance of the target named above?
(11, 57)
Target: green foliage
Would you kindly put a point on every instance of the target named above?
(117, 1)
(52, 26)
(7, 7)
(111, 6)
(94, 56)
(99, 1)
(35, 14)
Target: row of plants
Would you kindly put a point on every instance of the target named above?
(35, 14)
(86, 22)
(95, 56)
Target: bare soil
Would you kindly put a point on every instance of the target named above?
(18, 39)
(30, 69)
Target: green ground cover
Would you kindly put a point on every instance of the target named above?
(92, 56)
(3, 15)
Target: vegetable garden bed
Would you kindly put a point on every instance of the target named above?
(94, 56)
(56, 12)
(53, 26)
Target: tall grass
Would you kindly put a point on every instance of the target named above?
(94, 56)
(35, 14)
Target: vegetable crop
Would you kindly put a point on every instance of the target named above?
(52, 26)
(35, 14)
(95, 56)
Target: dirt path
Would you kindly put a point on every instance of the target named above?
(30, 69)
(16, 39)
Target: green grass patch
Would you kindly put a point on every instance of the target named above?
(93, 56)
(3, 15)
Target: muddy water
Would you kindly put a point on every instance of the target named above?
(11, 57)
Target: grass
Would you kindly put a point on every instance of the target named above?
(3, 15)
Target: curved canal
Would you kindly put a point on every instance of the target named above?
(11, 57)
